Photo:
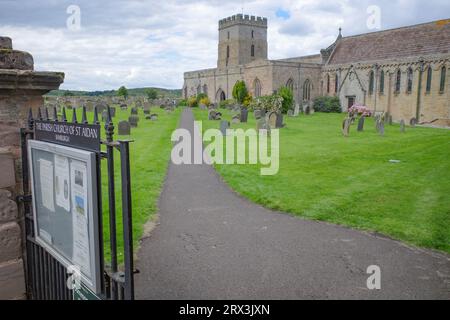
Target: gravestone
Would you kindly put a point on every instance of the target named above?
(402, 125)
(361, 123)
(290, 113)
(123, 106)
(390, 120)
(381, 130)
(133, 120)
(134, 111)
(113, 111)
(272, 119)
(224, 125)
(279, 122)
(262, 124)
(214, 115)
(236, 119)
(346, 127)
(307, 110)
(296, 110)
(101, 107)
(152, 117)
(413, 122)
(257, 114)
(244, 115)
(104, 115)
(124, 128)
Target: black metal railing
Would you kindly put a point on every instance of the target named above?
(46, 278)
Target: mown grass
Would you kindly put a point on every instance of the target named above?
(149, 159)
(350, 181)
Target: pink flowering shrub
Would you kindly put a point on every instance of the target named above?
(361, 110)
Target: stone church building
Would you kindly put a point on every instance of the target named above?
(402, 71)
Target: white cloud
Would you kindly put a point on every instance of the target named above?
(140, 43)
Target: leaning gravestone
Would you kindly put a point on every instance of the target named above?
(402, 125)
(224, 125)
(361, 124)
(272, 119)
(124, 128)
(134, 111)
(133, 120)
(244, 115)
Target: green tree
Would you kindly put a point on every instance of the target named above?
(240, 91)
(288, 99)
(151, 93)
(122, 92)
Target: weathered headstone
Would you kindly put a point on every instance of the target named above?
(290, 113)
(104, 115)
(257, 114)
(244, 115)
(346, 127)
(296, 110)
(134, 111)
(133, 120)
(361, 123)
(413, 122)
(381, 131)
(272, 119)
(279, 122)
(236, 119)
(262, 124)
(224, 125)
(307, 110)
(153, 117)
(124, 128)
(214, 115)
(113, 111)
(123, 106)
(402, 125)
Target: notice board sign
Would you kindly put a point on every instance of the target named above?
(65, 206)
(78, 135)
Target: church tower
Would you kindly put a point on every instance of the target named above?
(242, 39)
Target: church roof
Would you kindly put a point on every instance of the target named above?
(417, 40)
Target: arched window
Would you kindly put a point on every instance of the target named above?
(336, 83)
(205, 89)
(257, 87)
(371, 81)
(307, 90)
(382, 82)
(328, 83)
(253, 50)
(410, 80)
(398, 80)
(290, 85)
(429, 77)
(443, 74)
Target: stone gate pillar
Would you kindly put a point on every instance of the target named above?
(21, 88)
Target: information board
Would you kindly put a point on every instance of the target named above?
(65, 206)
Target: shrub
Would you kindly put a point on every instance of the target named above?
(247, 100)
(201, 96)
(240, 91)
(183, 103)
(360, 110)
(267, 103)
(327, 104)
(226, 103)
(192, 102)
(288, 99)
(204, 101)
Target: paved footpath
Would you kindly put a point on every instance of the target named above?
(213, 244)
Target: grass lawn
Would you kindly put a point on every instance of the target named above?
(149, 159)
(350, 181)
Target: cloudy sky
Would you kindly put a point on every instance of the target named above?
(140, 43)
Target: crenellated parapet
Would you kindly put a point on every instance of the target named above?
(243, 19)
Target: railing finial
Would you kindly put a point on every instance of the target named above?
(64, 118)
(83, 117)
(74, 116)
